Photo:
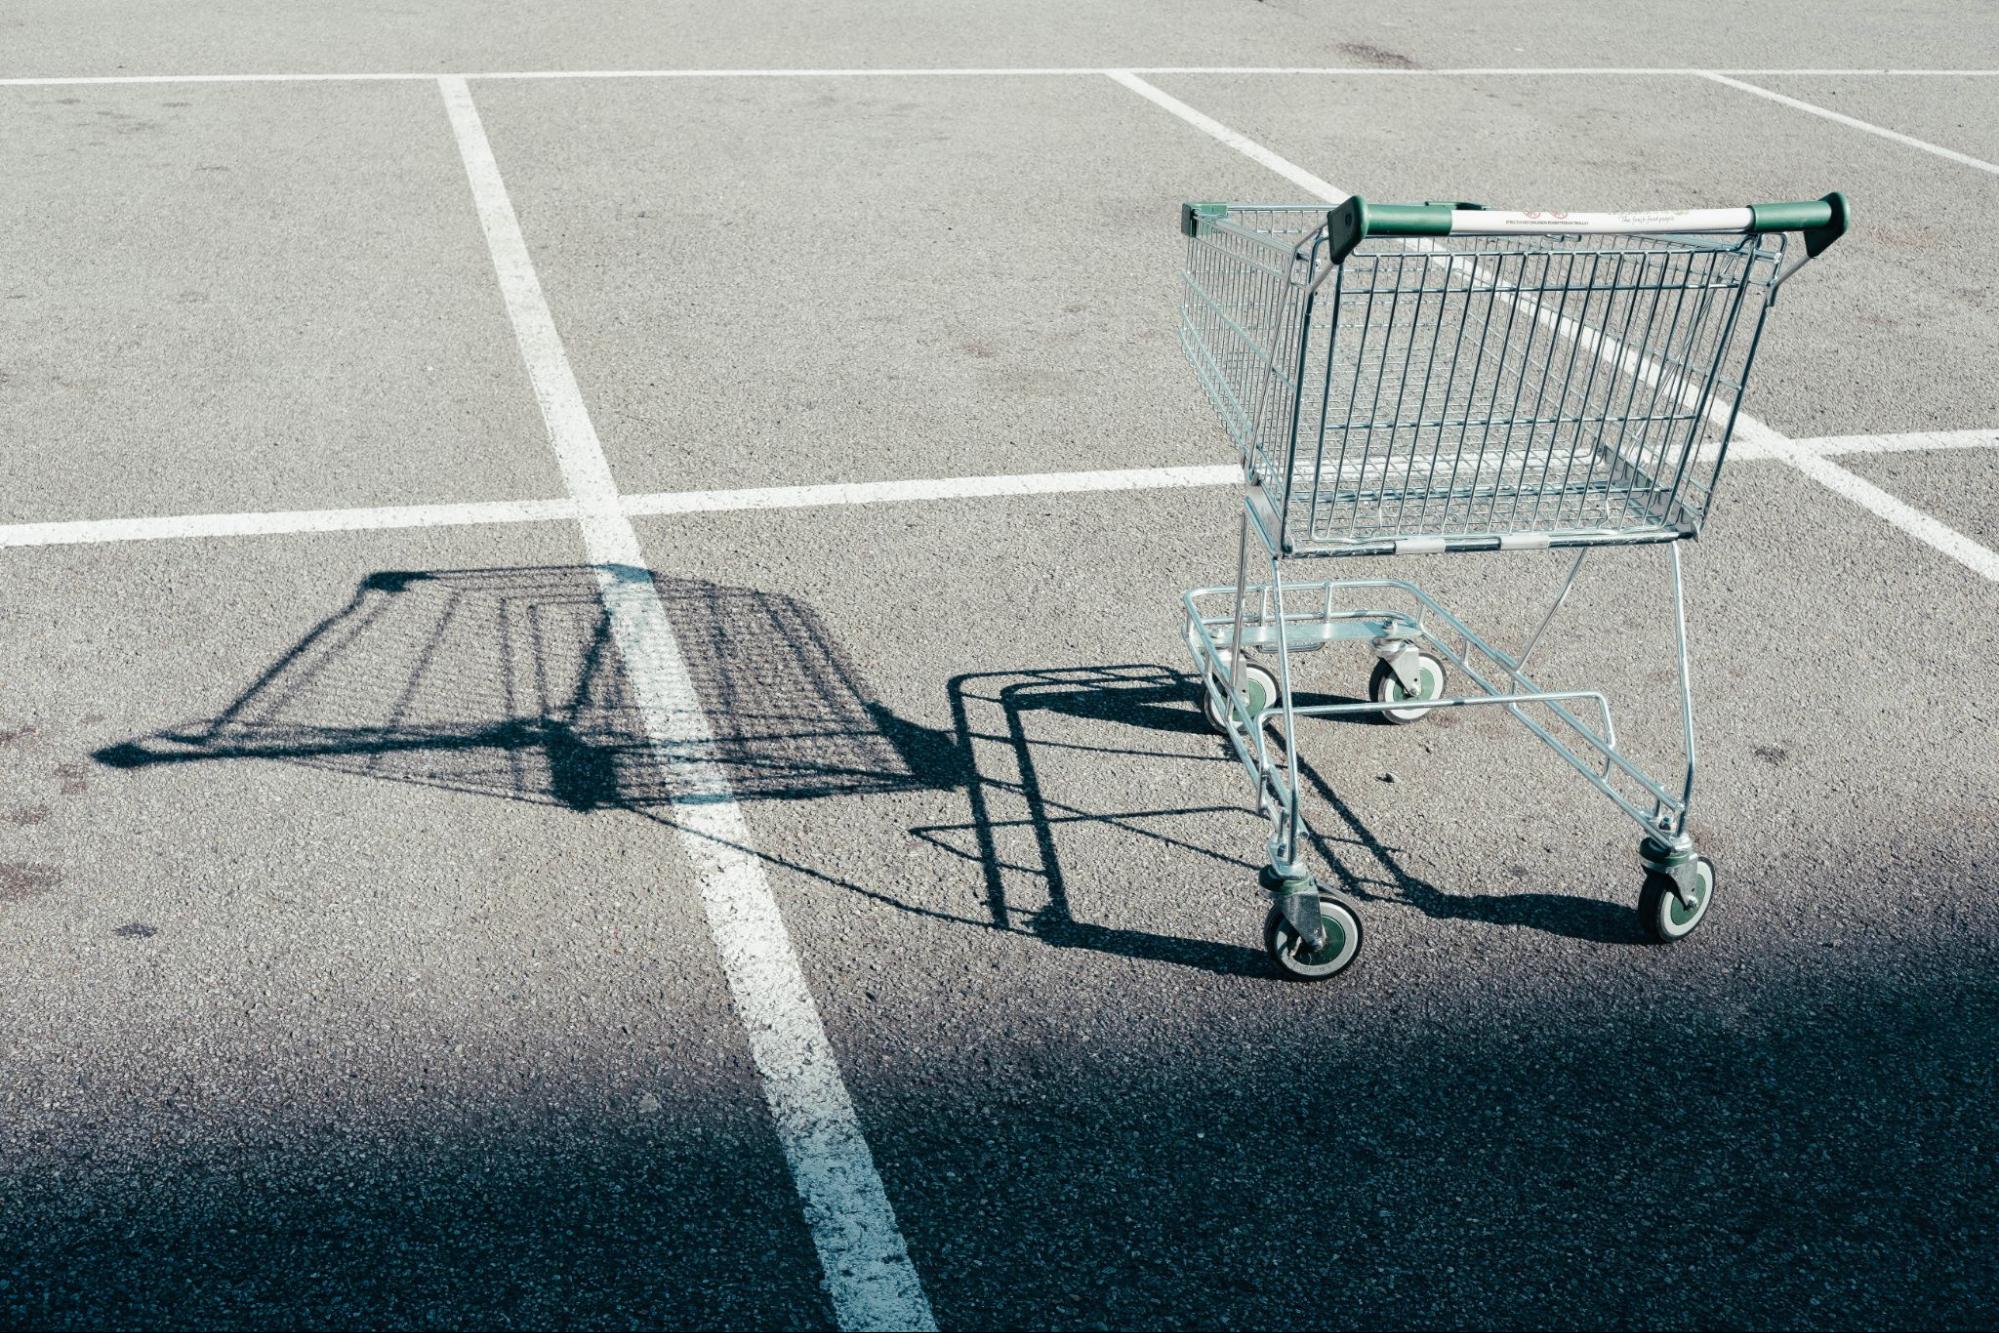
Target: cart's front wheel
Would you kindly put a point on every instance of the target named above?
(1342, 944)
(1666, 918)
(1385, 687)
(1259, 688)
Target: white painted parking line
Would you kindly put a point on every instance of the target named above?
(1091, 71)
(954, 488)
(1009, 71)
(1849, 485)
(1854, 122)
(1758, 437)
(1554, 71)
(278, 523)
(113, 80)
(89, 532)
(868, 1272)
(1242, 143)
(1920, 441)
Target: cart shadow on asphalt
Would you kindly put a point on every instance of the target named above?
(1589, 919)
(1018, 827)
(1018, 823)
(509, 683)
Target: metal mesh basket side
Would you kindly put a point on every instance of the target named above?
(1242, 313)
(1476, 388)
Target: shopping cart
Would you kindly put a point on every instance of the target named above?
(1414, 379)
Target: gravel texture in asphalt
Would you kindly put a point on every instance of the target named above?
(353, 971)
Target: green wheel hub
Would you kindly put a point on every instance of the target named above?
(1682, 916)
(1430, 685)
(1335, 945)
(1259, 691)
(1666, 918)
(1385, 687)
(1342, 946)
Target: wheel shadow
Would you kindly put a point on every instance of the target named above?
(1012, 725)
(1023, 821)
(1351, 847)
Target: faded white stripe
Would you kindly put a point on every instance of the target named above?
(1242, 143)
(956, 488)
(1008, 71)
(1905, 516)
(654, 504)
(278, 523)
(868, 1272)
(1911, 442)
(1854, 122)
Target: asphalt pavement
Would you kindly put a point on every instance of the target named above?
(359, 958)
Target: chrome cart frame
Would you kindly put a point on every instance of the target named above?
(1442, 378)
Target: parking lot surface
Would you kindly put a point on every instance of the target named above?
(584, 739)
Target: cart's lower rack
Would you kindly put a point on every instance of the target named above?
(1313, 617)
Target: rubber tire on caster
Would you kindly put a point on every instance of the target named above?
(1343, 938)
(1257, 683)
(1385, 687)
(1665, 918)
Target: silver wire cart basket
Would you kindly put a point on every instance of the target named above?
(1418, 379)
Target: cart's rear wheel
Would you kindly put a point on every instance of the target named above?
(1342, 945)
(1385, 687)
(1666, 918)
(1259, 687)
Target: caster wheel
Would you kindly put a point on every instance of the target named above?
(1666, 918)
(1341, 947)
(1258, 686)
(1385, 687)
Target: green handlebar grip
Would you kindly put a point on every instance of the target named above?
(1191, 215)
(1409, 219)
(1354, 219)
(1822, 221)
